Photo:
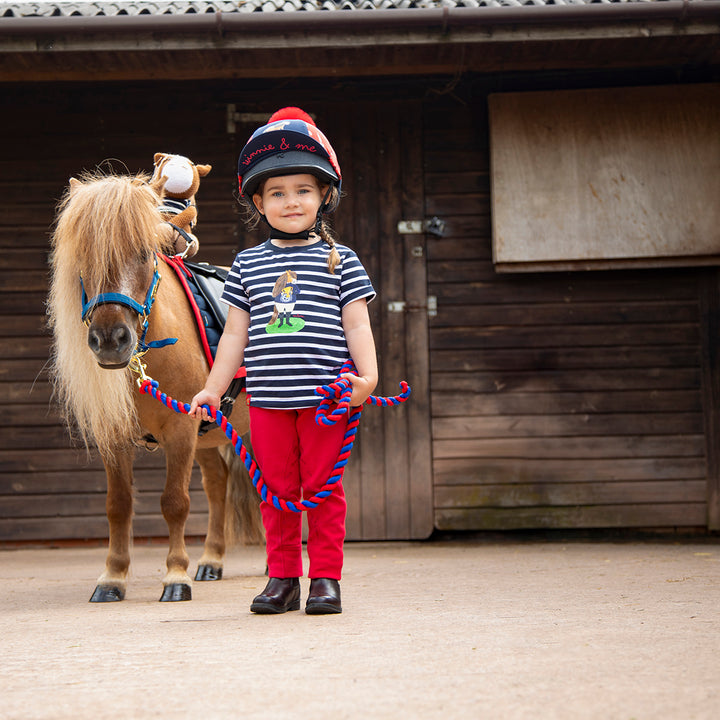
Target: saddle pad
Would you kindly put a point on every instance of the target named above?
(210, 280)
(203, 284)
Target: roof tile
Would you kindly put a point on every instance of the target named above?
(181, 7)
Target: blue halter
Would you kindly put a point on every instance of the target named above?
(143, 311)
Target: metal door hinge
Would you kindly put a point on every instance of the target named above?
(398, 306)
(434, 226)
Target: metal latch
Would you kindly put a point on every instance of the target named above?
(434, 226)
(398, 306)
(233, 118)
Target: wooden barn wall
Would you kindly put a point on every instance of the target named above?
(49, 487)
(559, 400)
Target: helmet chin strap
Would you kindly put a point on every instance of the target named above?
(305, 234)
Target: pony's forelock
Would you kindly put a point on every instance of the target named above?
(104, 220)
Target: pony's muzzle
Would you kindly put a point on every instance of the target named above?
(112, 343)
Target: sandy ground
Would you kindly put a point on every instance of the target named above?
(457, 628)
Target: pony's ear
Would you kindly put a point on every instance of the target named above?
(203, 170)
(158, 157)
(158, 184)
(74, 185)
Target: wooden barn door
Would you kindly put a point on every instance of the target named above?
(389, 479)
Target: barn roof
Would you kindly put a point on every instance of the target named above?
(189, 39)
(73, 8)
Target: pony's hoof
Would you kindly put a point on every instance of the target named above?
(208, 572)
(176, 592)
(107, 593)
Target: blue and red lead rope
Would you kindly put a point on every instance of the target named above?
(337, 393)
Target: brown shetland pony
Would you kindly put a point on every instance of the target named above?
(107, 233)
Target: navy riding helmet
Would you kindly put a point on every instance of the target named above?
(290, 143)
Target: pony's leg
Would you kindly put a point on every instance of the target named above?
(111, 585)
(175, 504)
(214, 477)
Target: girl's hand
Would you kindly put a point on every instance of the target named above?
(204, 397)
(362, 388)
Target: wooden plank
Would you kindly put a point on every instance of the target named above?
(458, 205)
(26, 431)
(343, 223)
(462, 239)
(35, 348)
(663, 515)
(463, 181)
(566, 335)
(525, 426)
(590, 314)
(560, 494)
(396, 121)
(448, 404)
(30, 303)
(569, 380)
(502, 51)
(46, 459)
(37, 394)
(572, 447)
(83, 481)
(45, 482)
(373, 493)
(27, 214)
(480, 285)
(444, 163)
(22, 325)
(533, 470)
(566, 358)
(28, 280)
(90, 528)
(416, 337)
(82, 504)
(710, 331)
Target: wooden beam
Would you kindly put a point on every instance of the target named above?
(349, 51)
(710, 332)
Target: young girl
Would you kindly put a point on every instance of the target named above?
(298, 311)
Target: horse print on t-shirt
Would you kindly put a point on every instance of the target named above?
(285, 294)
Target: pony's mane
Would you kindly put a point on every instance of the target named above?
(103, 221)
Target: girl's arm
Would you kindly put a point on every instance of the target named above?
(229, 357)
(360, 342)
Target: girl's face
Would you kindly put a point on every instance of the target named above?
(290, 202)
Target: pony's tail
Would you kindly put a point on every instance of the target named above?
(274, 316)
(243, 523)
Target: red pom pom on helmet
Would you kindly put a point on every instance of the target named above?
(289, 143)
(291, 113)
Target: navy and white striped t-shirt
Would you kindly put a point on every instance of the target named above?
(296, 339)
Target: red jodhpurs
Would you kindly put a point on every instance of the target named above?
(296, 457)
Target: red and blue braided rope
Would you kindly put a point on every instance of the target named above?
(337, 393)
